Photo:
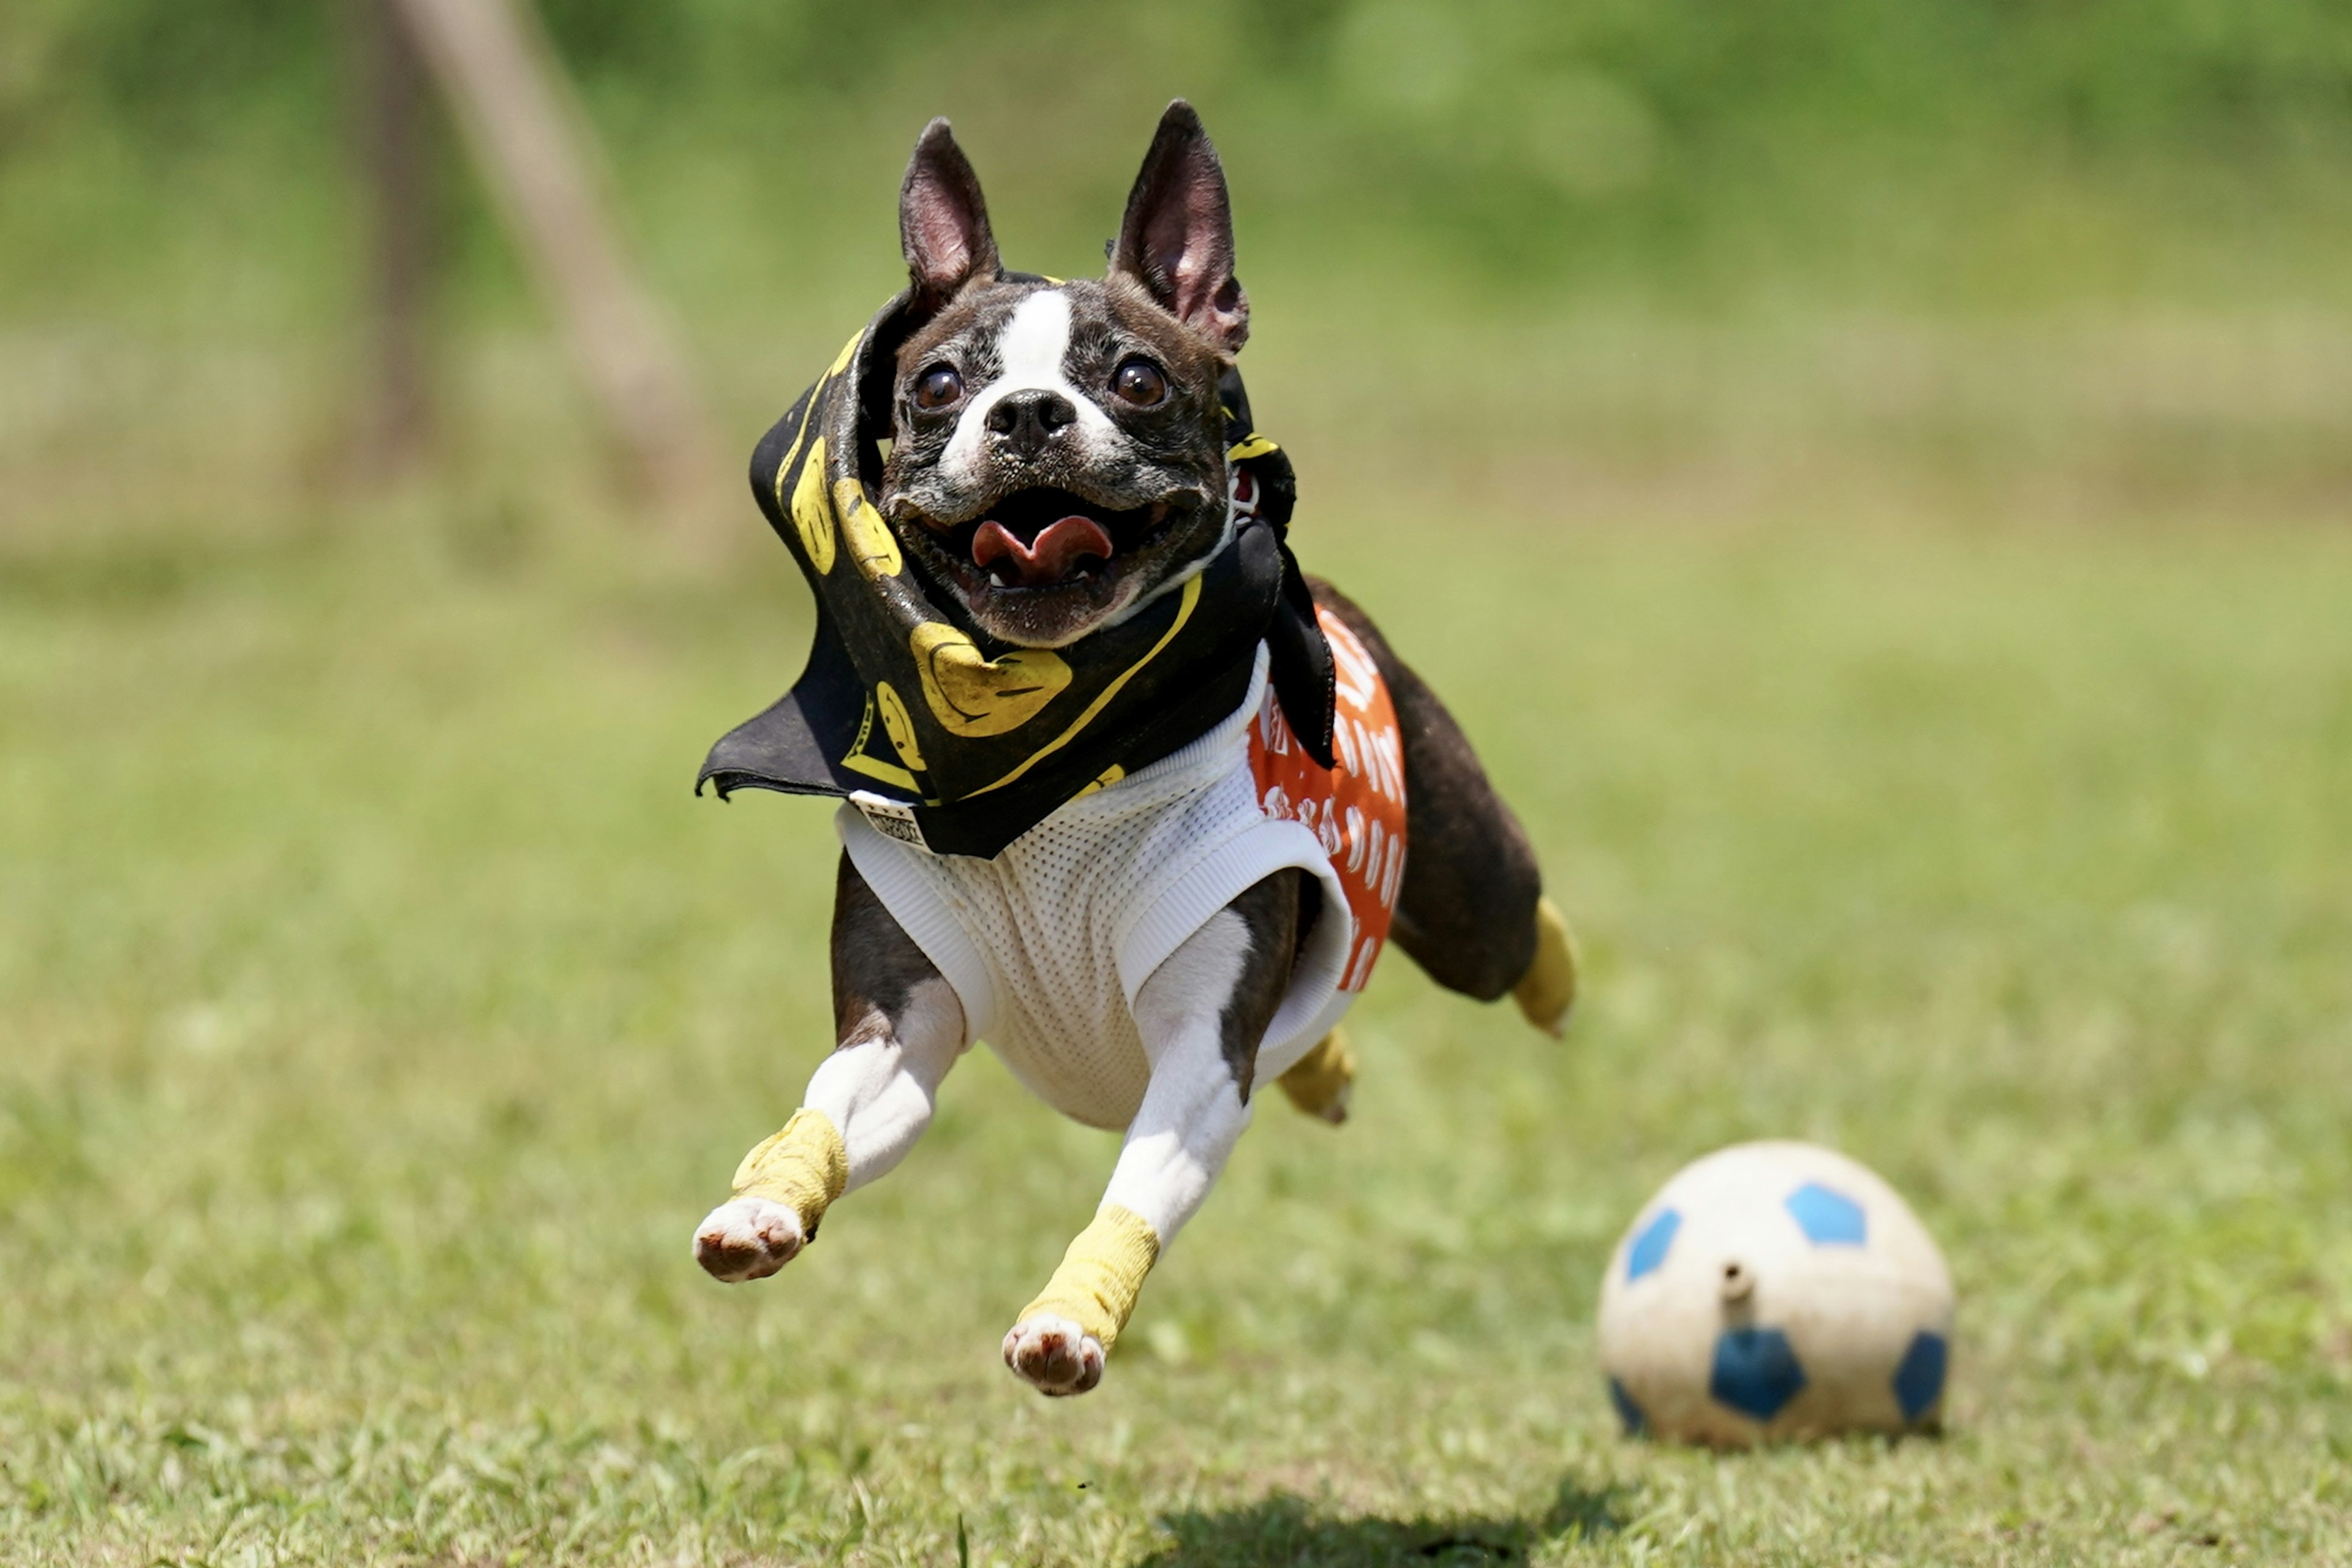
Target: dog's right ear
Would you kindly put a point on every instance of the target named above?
(943, 220)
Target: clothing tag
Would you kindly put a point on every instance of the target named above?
(891, 819)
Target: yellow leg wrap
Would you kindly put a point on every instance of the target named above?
(803, 1167)
(1318, 1083)
(1101, 1274)
(1548, 990)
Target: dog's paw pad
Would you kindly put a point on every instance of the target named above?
(747, 1238)
(1056, 1355)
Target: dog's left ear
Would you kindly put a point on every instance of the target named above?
(1177, 239)
(943, 220)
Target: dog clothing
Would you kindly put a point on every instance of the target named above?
(947, 737)
(1047, 943)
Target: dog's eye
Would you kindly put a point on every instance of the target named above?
(1140, 382)
(939, 387)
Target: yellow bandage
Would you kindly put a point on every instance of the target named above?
(1548, 990)
(1318, 1083)
(803, 1167)
(1101, 1274)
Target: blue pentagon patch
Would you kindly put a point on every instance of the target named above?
(1649, 1248)
(1919, 1379)
(1756, 1372)
(1828, 1219)
(1627, 1411)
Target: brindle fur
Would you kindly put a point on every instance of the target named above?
(1270, 910)
(876, 964)
(1169, 298)
(1467, 910)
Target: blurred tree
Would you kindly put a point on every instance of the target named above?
(1915, 149)
(396, 165)
(536, 153)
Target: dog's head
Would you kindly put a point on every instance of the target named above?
(1058, 454)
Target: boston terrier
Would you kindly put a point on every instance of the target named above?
(1063, 476)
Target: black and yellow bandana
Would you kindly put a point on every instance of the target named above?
(947, 738)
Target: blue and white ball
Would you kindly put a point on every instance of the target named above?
(1775, 1291)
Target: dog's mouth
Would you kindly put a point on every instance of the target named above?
(1046, 538)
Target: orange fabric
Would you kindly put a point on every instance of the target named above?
(1355, 808)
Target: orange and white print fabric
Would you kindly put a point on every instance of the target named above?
(1356, 808)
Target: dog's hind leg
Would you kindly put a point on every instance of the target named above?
(1470, 909)
(899, 1028)
(1202, 1014)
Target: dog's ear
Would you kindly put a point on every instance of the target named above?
(943, 220)
(1177, 239)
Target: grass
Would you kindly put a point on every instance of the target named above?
(378, 1012)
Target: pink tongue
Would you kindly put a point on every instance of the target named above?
(1045, 560)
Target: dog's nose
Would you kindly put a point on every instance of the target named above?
(1027, 420)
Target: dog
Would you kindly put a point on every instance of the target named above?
(1067, 474)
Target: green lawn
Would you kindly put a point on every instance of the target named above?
(379, 1012)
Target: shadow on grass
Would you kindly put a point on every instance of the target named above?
(1286, 1530)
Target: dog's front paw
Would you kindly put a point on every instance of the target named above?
(747, 1238)
(1055, 1354)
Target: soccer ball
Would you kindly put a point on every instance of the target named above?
(1775, 1290)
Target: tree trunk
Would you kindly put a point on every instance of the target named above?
(535, 147)
(396, 415)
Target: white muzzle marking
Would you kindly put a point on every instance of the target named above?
(1035, 342)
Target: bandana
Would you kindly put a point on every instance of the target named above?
(950, 740)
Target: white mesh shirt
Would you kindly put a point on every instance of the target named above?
(1047, 944)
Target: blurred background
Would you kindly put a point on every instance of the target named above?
(1870, 476)
(1991, 260)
